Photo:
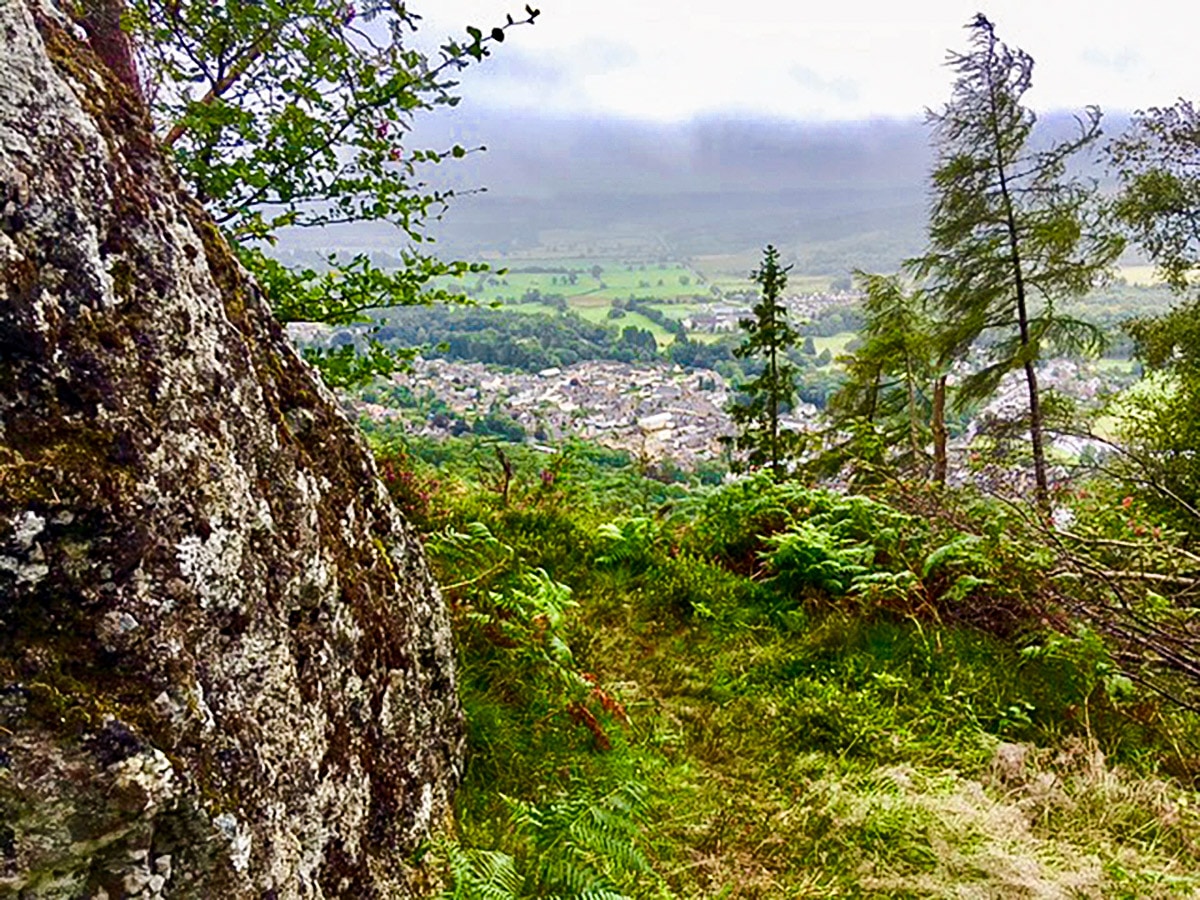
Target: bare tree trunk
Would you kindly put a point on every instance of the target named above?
(101, 19)
(937, 425)
(1037, 435)
(1014, 247)
(776, 468)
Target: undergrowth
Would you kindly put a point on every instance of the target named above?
(771, 690)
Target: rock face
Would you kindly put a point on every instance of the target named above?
(225, 671)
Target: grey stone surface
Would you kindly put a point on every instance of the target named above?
(224, 668)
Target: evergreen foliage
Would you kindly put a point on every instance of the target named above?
(1011, 236)
(769, 336)
(892, 402)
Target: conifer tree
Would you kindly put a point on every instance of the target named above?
(891, 404)
(1010, 235)
(768, 338)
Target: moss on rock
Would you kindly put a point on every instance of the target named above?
(224, 667)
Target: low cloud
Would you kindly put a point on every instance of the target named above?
(843, 89)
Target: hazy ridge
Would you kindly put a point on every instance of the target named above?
(831, 195)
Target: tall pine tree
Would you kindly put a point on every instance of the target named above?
(1010, 234)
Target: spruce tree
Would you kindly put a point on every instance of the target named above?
(773, 391)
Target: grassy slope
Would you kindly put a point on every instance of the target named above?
(789, 749)
(808, 765)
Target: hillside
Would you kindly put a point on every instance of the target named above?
(833, 196)
(763, 690)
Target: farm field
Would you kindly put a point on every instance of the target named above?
(606, 278)
(600, 314)
(1107, 365)
(731, 273)
(590, 286)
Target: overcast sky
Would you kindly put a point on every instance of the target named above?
(665, 60)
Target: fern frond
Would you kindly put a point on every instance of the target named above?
(584, 843)
(479, 874)
(957, 550)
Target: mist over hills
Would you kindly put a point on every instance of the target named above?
(830, 195)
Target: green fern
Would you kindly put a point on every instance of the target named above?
(475, 550)
(584, 844)
(629, 543)
(581, 846)
(478, 874)
(809, 556)
(962, 549)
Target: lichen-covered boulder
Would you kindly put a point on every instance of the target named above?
(225, 671)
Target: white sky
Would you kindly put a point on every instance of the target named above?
(838, 60)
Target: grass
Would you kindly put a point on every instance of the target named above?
(701, 337)
(592, 300)
(683, 289)
(731, 272)
(789, 749)
(813, 764)
(592, 296)
(616, 280)
(531, 309)
(850, 781)
(598, 313)
(678, 311)
(1113, 366)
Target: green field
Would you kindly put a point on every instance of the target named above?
(1113, 366)
(661, 335)
(678, 311)
(610, 279)
(731, 273)
(596, 310)
(703, 338)
(835, 344)
(675, 289)
(679, 288)
(530, 309)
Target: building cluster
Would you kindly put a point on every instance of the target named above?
(719, 318)
(652, 411)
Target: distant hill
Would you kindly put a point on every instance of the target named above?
(832, 196)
